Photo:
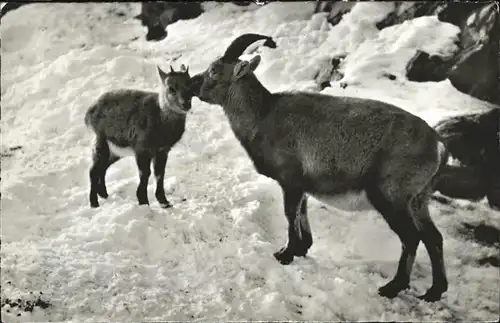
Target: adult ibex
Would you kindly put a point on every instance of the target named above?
(327, 146)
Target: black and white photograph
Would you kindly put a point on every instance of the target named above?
(215, 161)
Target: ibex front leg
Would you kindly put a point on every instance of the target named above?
(292, 201)
(100, 157)
(143, 160)
(305, 229)
(159, 164)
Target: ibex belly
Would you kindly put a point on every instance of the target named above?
(120, 151)
(350, 201)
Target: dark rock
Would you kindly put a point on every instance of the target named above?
(323, 6)
(262, 2)
(424, 68)
(493, 194)
(324, 85)
(156, 32)
(329, 71)
(461, 182)
(453, 12)
(336, 9)
(484, 234)
(156, 16)
(390, 76)
(475, 68)
(405, 10)
(470, 137)
(337, 60)
(242, 3)
(457, 13)
(41, 303)
(474, 140)
(26, 305)
(490, 260)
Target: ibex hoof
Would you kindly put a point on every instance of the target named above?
(300, 252)
(94, 205)
(103, 194)
(432, 295)
(392, 289)
(101, 190)
(284, 256)
(165, 205)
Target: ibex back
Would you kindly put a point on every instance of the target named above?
(327, 146)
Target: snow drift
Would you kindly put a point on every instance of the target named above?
(210, 256)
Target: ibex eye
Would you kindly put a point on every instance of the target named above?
(171, 90)
(212, 73)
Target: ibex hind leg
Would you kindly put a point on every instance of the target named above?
(102, 191)
(395, 210)
(304, 229)
(159, 164)
(143, 160)
(407, 194)
(433, 241)
(100, 157)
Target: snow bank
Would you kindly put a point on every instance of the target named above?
(210, 256)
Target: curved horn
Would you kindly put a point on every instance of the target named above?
(241, 43)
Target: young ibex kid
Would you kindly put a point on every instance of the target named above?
(326, 146)
(141, 124)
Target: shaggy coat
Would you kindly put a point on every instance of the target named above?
(141, 124)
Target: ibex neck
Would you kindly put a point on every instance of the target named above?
(248, 102)
(168, 110)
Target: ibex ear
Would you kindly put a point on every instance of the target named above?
(254, 63)
(163, 76)
(241, 69)
(183, 68)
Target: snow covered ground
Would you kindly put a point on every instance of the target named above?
(210, 256)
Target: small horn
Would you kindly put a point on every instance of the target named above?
(187, 69)
(241, 43)
(171, 69)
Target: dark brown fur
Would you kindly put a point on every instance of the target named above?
(318, 144)
(148, 123)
